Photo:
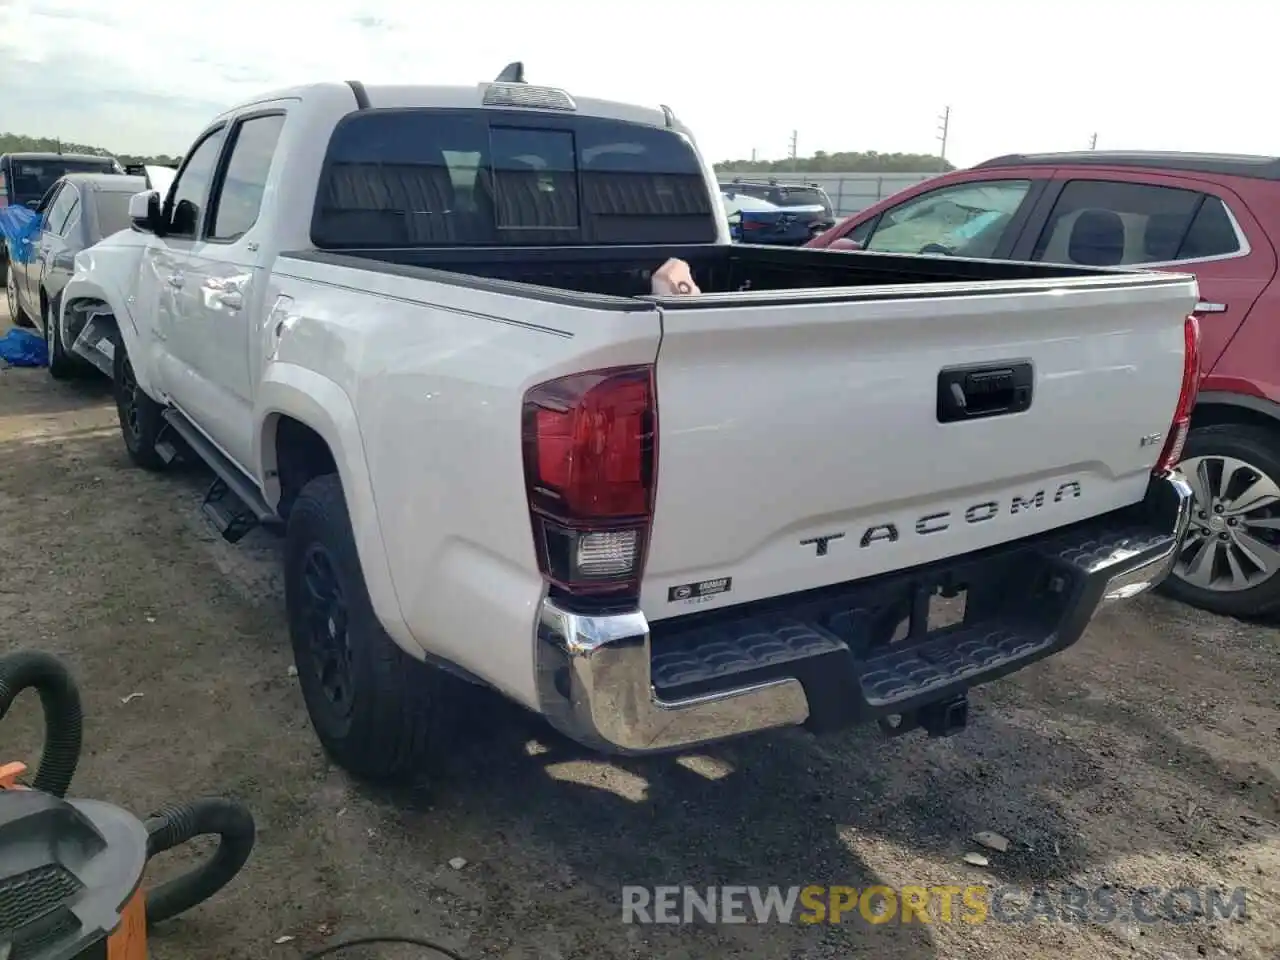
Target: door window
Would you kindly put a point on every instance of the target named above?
(239, 198)
(963, 220)
(189, 190)
(72, 221)
(1108, 223)
(59, 210)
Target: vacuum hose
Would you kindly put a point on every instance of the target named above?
(60, 698)
(173, 826)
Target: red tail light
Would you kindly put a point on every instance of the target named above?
(590, 457)
(1172, 452)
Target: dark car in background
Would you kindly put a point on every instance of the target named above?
(802, 210)
(75, 213)
(26, 177)
(1215, 216)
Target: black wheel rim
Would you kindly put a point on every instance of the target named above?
(127, 398)
(324, 623)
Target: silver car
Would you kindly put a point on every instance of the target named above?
(78, 210)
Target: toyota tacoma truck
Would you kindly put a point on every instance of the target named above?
(414, 329)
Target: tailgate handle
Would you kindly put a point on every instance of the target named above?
(984, 390)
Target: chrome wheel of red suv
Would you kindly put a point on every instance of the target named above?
(1231, 556)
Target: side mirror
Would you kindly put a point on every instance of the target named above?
(144, 211)
(33, 204)
(844, 243)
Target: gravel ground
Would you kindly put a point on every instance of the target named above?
(1147, 755)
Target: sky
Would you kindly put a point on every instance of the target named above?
(138, 77)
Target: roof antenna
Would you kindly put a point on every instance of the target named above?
(511, 73)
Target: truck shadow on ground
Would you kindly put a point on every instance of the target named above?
(795, 810)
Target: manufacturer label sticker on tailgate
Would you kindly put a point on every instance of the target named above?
(699, 591)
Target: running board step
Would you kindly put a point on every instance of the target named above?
(233, 504)
(96, 343)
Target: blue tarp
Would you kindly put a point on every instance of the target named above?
(18, 226)
(22, 348)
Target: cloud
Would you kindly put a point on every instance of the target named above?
(138, 75)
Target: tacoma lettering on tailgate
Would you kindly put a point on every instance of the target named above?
(947, 519)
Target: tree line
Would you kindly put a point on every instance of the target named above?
(20, 143)
(844, 161)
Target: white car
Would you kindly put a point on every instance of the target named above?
(412, 328)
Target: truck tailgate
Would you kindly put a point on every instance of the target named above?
(801, 442)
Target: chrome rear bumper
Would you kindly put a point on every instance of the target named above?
(597, 674)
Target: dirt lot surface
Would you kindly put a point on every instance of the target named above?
(1147, 755)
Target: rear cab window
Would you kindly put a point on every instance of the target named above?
(458, 177)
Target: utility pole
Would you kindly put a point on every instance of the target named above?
(58, 141)
(1093, 142)
(944, 127)
(795, 136)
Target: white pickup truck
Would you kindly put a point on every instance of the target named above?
(413, 328)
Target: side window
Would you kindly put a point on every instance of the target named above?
(863, 230)
(1107, 223)
(73, 219)
(235, 210)
(963, 220)
(56, 216)
(1212, 233)
(189, 190)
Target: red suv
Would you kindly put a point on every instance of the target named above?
(1215, 216)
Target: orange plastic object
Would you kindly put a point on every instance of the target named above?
(9, 774)
(129, 940)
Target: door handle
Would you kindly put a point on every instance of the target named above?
(1204, 306)
(175, 280)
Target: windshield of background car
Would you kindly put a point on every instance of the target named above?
(426, 178)
(31, 179)
(966, 219)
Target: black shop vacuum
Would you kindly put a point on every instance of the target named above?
(71, 871)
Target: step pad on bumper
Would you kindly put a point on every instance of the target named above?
(703, 656)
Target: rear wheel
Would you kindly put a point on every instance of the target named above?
(141, 418)
(1230, 560)
(16, 314)
(62, 365)
(378, 712)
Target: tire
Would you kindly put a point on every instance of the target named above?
(1241, 576)
(379, 713)
(141, 418)
(17, 315)
(62, 365)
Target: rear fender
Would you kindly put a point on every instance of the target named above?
(288, 390)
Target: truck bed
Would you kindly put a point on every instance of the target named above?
(624, 271)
